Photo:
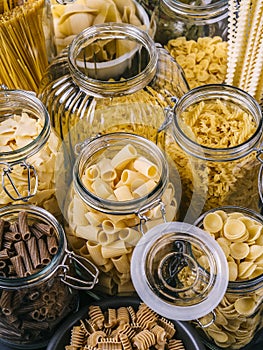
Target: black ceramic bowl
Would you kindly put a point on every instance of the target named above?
(61, 338)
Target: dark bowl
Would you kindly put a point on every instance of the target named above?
(61, 338)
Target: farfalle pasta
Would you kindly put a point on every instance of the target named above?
(127, 331)
(238, 315)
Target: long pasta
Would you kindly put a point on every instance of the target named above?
(23, 54)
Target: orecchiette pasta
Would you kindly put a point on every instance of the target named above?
(121, 328)
(238, 314)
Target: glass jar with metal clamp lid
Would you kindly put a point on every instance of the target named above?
(28, 151)
(217, 132)
(122, 185)
(190, 19)
(38, 276)
(169, 277)
(112, 78)
(239, 232)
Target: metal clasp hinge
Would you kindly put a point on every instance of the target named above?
(144, 218)
(83, 267)
(7, 178)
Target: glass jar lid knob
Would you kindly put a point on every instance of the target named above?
(179, 271)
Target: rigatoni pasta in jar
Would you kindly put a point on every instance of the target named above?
(122, 186)
(239, 232)
(38, 282)
(217, 131)
(28, 151)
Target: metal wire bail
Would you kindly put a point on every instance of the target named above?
(7, 179)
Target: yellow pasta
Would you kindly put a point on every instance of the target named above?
(88, 232)
(114, 249)
(145, 167)
(101, 188)
(95, 250)
(123, 157)
(121, 263)
(107, 171)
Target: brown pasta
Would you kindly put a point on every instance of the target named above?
(2, 224)
(43, 252)
(22, 251)
(5, 302)
(18, 265)
(33, 252)
(23, 226)
(52, 244)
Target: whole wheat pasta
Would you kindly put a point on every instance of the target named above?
(52, 244)
(6, 302)
(18, 265)
(43, 252)
(23, 226)
(21, 250)
(2, 223)
(33, 252)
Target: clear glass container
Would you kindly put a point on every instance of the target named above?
(27, 43)
(167, 274)
(217, 132)
(190, 19)
(122, 185)
(38, 281)
(28, 151)
(239, 313)
(112, 78)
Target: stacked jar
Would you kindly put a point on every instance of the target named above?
(112, 78)
(38, 283)
(29, 151)
(217, 133)
(192, 20)
(122, 185)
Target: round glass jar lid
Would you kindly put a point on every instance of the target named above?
(179, 271)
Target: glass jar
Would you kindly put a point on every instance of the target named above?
(122, 186)
(112, 78)
(27, 43)
(71, 17)
(217, 131)
(28, 151)
(38, 283)
(167, 274)
(239, 313)
(192, 20)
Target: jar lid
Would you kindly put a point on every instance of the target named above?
(179, 271)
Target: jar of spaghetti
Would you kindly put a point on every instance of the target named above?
(28, 151)
(217, 132)
(112, 78)
(190, 19)
(38, 283)
(27, 42)
(122, 185)
(239, 232)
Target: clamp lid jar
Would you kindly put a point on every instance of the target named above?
(112, 78)
(191, 19)
(169, 278)
(239, 232)
(218, 134)
(28, 151)
(38, 282)
(122, 186)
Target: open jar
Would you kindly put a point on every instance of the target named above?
(239, 314)
(38, 283)
(122, 186)
(190, 19)
(112, 78)
(217, 132)
(28, 151)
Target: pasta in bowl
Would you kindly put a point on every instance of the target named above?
(180, 335)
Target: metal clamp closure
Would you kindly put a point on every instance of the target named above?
(83, 267)
(144, 218)
(7, 179)
(259, 154)
(209, 323)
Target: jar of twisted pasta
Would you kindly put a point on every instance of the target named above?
(239, 232)
(28, 151)
(190, 19)
(38, 283)
(122, 185)
(112, 78)
(218, 134)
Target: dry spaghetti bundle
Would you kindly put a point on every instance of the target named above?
(245, 46)
(23, 54)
